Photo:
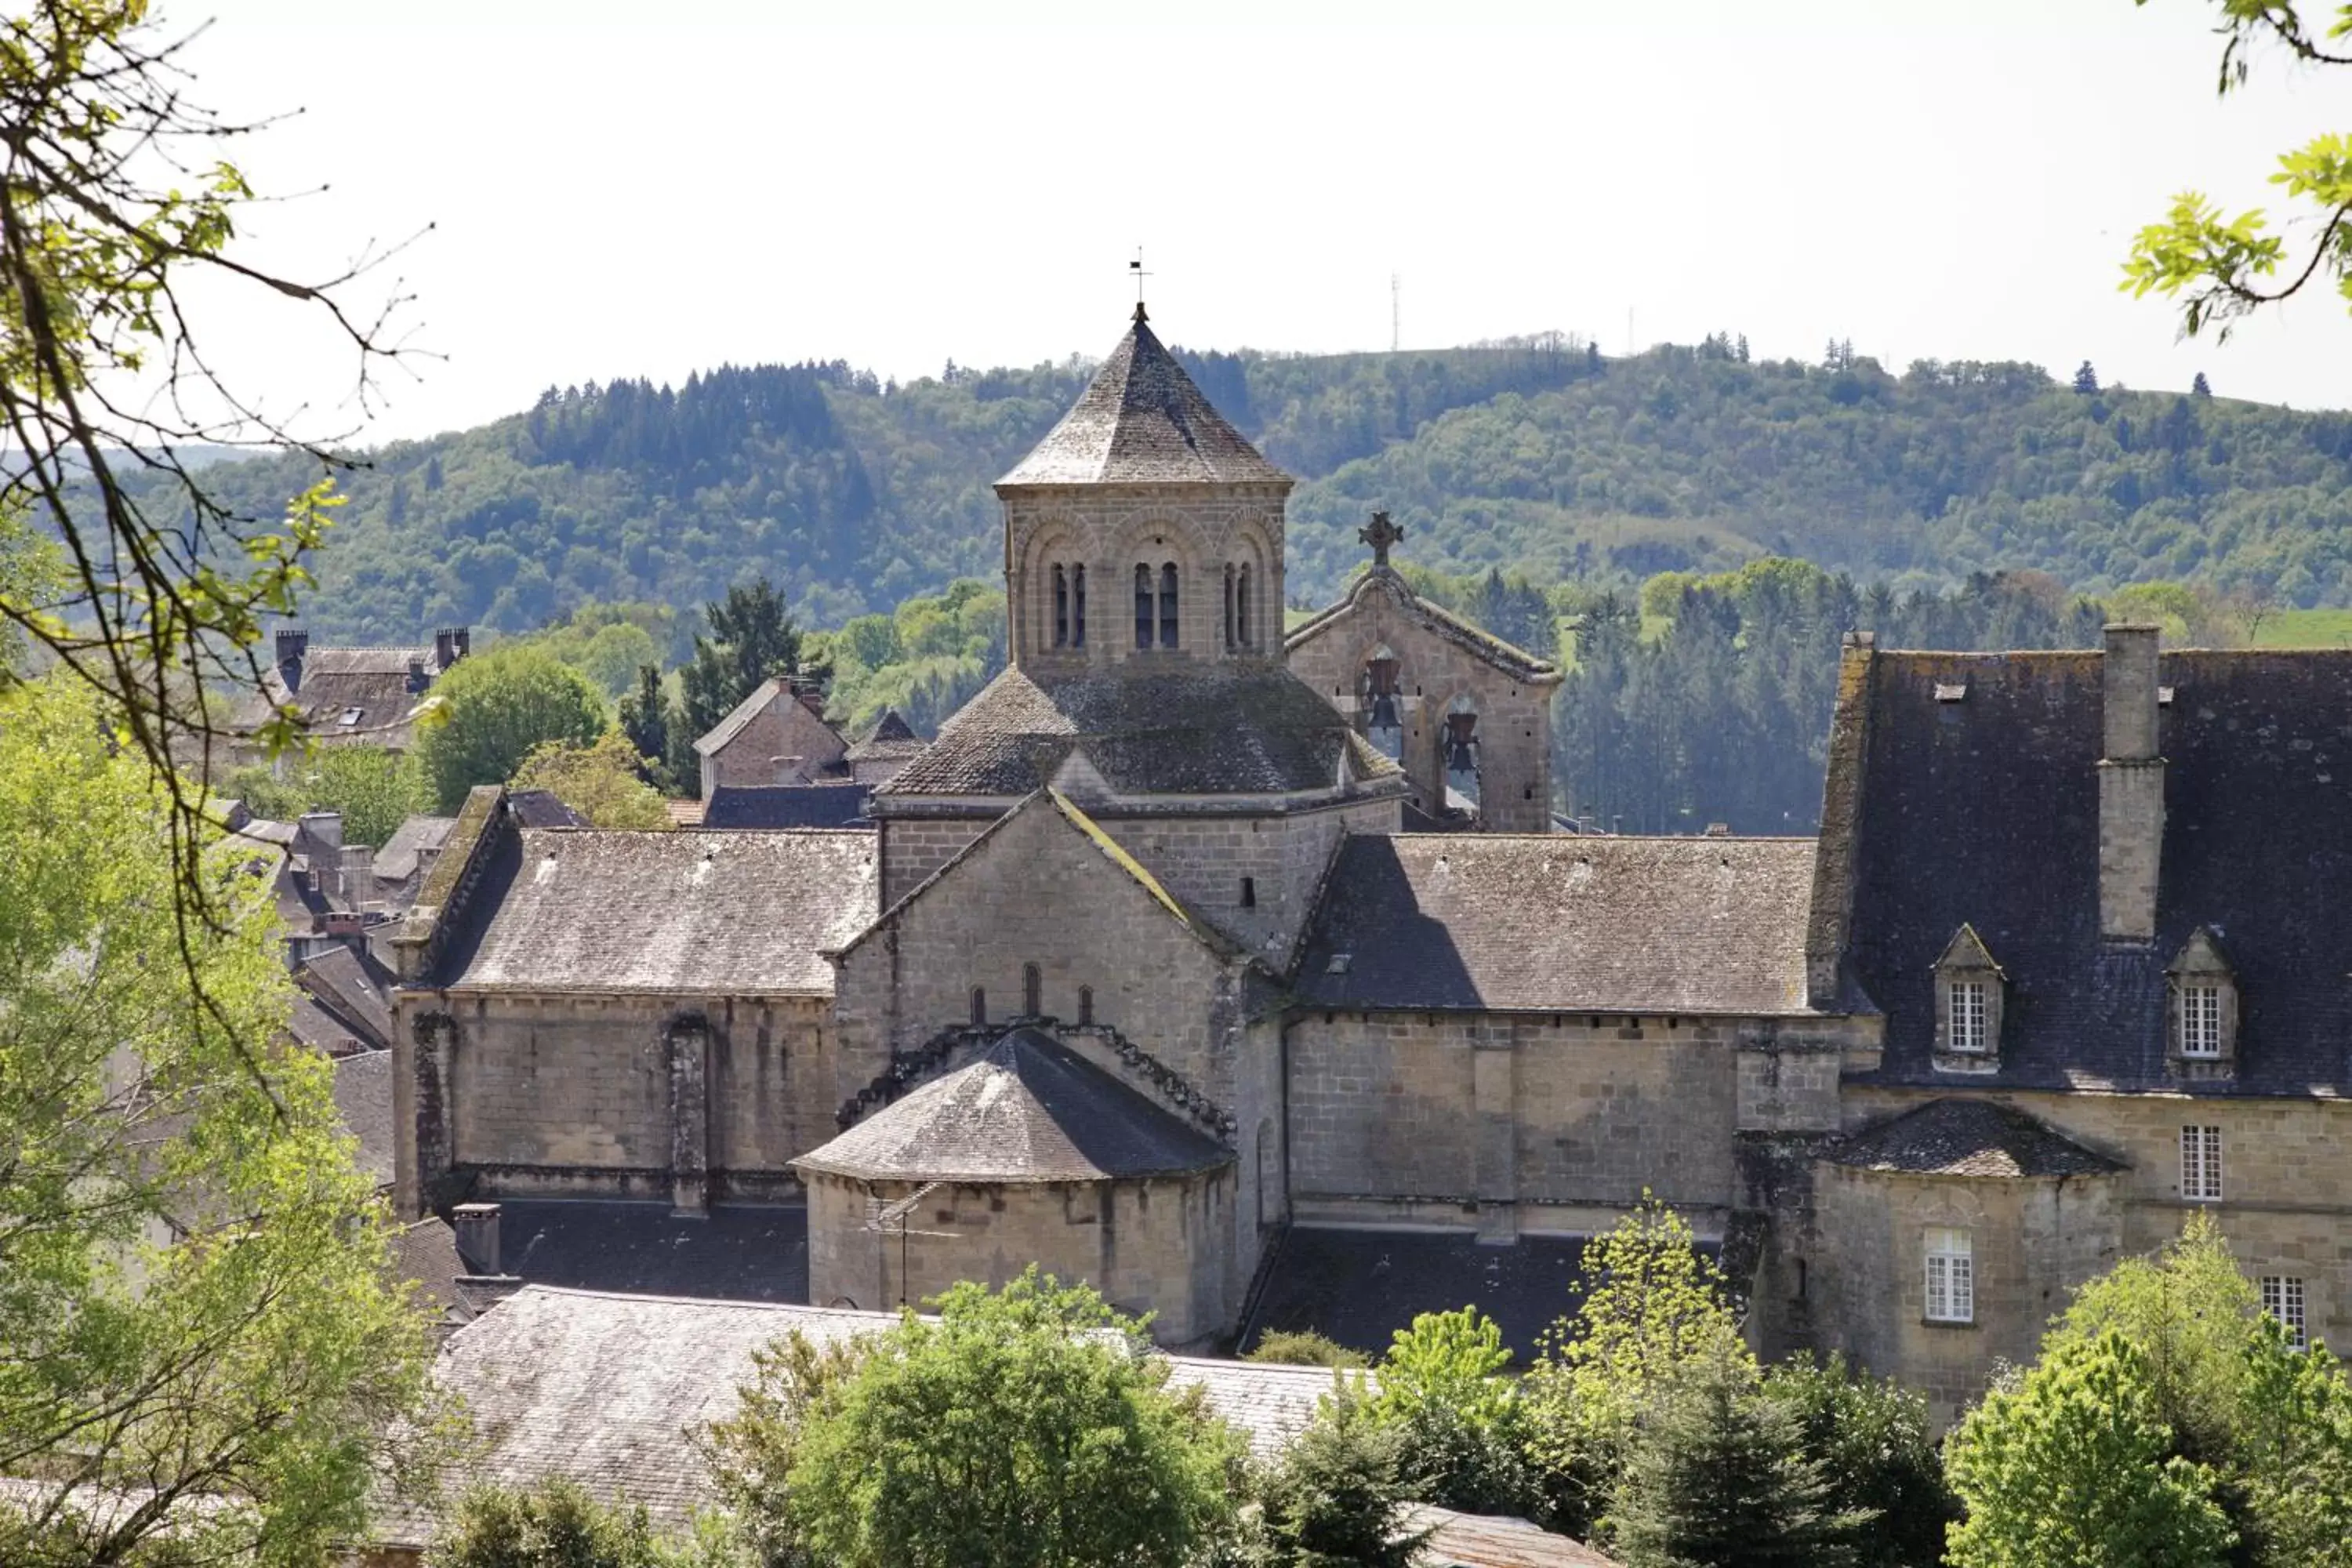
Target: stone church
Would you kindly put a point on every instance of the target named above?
(1242, 974)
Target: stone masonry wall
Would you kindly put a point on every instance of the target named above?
(913, 848)
(589, 1096)
(785, 728)
(1156, 1246)
(2286, 1204)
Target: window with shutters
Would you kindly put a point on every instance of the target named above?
(2282, 1299)
(1951, 1276)
(2200, 1165)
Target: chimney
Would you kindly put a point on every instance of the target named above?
(293, 646)
(812, 697)
(417, 679)
(445, 649)
(477, 1226)
(463, 640)
(2131, 787)
(323, 828)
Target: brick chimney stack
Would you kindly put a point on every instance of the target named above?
(2131, 788)
(477, 1226)
(293, 646)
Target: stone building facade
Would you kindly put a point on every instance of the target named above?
(1137, 974)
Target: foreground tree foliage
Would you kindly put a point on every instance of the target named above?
(2071, 1471)
(495, 709)
(751, 1453)
(200, 1330)
(557, 1524)
(1461, 1429)
(1023, 1429)
(1872, 1439)
(376, 789)
(1335, 1497)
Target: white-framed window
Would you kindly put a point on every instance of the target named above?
(1951, 1276)
(2282, 1299)
(2200, 1021)
(1971, 1009)
(2200, 1165)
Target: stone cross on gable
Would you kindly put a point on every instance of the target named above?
(1381, 535)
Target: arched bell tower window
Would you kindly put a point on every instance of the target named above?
(1086, 1006)
(1061, 608)
(1143, 607)
(1168, 605)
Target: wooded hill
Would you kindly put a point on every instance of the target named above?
(1538, 455)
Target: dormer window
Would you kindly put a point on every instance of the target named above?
(2202, 1010)
(1969, 992)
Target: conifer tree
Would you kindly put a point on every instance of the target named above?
(644, 719)
(2087, 380)
(2201, 387)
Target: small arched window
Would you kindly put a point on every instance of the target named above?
(1229, 605)
(978, 1006)
(1032, 990)
(1086, 1006)
(1241, 607)
(1143, 607)
(1061, 608)
(1077, 606)
(1168, 605)
(1249, 892)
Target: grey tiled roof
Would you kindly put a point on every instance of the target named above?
(1484, 1540)
(741, 913)
(1142, 421)
(353, 988)
(542, 808)
(785, 806)
(415, 836)
(1562, 922)
(1509, 658)
(1200, 730)
(1028, 1109)
(1359, 1287)
(1970, 1138)
(746, 1252)
(371, 683)
(603, 1389)
(1985, 811)
(363, 1105)
(891, 736)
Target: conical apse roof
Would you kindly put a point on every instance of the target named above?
(1142, 421)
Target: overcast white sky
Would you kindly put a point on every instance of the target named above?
(650, 188)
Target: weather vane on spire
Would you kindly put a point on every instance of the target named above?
(1134, 269)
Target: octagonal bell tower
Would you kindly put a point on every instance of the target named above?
(1144, 533)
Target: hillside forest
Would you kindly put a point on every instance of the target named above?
(1689, 530)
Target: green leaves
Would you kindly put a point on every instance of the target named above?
(492, 710)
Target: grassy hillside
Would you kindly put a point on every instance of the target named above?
(1537, 455)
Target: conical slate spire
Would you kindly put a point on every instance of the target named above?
(1142, 421)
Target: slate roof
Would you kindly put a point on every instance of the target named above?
(1985, 811)
(603, 1389)
(1359, 1287)
(734, 1253)
(363, 1104)
(369, 684)
(353, 988)
(1970, 1138)
(417, 837)
(1225, 730)
(786, 806)
(1142, 421)
(891, 736)
(542, 808)
(1475, 639)
(584, 910)
(1486, 1541)
(1561, 923)
(1026, 1110)
(770, 692)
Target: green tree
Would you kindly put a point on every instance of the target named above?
(1304, 1347)
(1872, 1440)
(1719, 1475)
(2227, 267)
(1021, 1428)
(751, 638)
(645, 719)
(1443, 1386)
(2070, 1470)
(600, 781)
(557, 1524)
(1654, 1304)
(1335, 1497)
(751, 1451)
(195, 1287)
(492, 710)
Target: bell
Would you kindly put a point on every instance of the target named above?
(1384, 713)
(1459, 758)
(1382, 673)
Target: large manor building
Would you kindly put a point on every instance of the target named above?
(1138, 973)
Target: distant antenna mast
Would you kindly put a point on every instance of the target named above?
(1396, 312)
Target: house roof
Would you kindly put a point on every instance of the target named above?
(1142, 421)
(363, 1104)
(1561, 923)
(785, 806)
(735, 1252)
(891, 736)
(348, 693)
(354, 988)
(776, 689)
(1204, 731)
(584, 910)
(1487, 1541)
(1985, 811)
(415, 838)
(1970, 1138)
(1468, 636)
(1026, 1110)
(603, 1388)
